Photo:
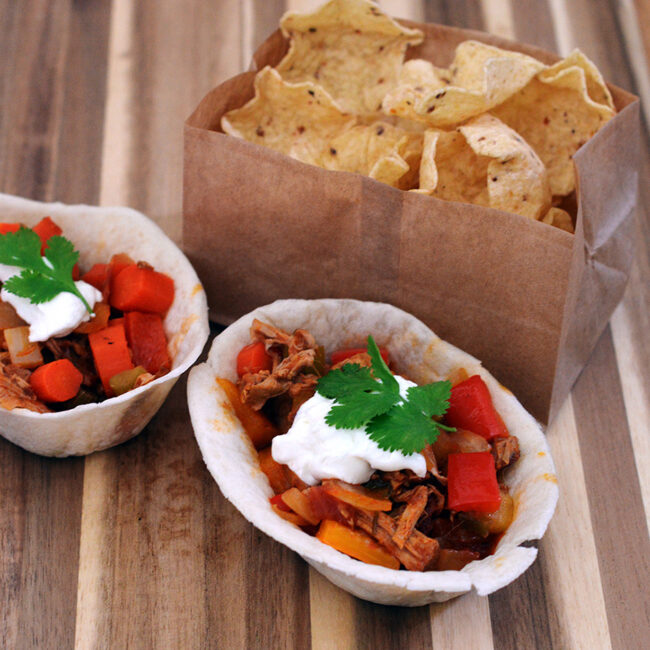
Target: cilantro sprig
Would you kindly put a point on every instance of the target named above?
(41, 278)
(370, 398)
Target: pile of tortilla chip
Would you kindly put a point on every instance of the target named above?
(497, 128)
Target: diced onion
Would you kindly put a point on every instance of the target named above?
(23, 353)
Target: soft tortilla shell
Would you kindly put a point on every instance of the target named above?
(424, 357)
(98, 233)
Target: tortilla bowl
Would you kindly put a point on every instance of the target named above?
(98, 233)
(423, 357)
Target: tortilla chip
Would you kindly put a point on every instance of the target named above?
(451, 170)
(373, 150)
(350, 48)
(481, 76)
(556, 115)
(596, 86)
(418, 354)
(98, 233)
(559, 218)
(485, 163)
(295, 119)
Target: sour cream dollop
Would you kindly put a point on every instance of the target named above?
(314, 450)
(58, 316)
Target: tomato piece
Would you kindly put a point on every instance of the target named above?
(45, 229)
(342, 355)
(99, 277)
(137, 288)
(9, 227)
(471, 408)
(253, 358)
(146, 338)
(472, 482)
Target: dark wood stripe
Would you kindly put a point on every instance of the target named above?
(53, 55)
(611, 477)
(457, 13)
(38, 32)
(276, 589)
(78, 169)
(518, 612)
(392, 627)
(158, 566)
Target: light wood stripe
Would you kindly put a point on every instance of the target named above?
(562, 27)
(411, 10)
(94, 594)
(475, 631)
(118, 118)
(578, 616)
(638, 57)
(621, 534)
(498, 18)
(332, 615)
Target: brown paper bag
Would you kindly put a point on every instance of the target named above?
(527, 299)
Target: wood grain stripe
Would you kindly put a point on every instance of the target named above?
(575, 605)
(637, 55)
(533, 23)
(462, 623)
(630, 325)
(498, 17)
(609, 466)
(332, 615)
(460, 13)
(380, 627)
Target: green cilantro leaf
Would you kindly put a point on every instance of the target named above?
(409, 427)
(379, 368)
(41, 279)
(354, 410)
(370, 397)
(348, 379)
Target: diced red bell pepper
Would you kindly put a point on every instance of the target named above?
(472, 482)
(341, 355)
(99, 277)
(471, 408)
(9, 227)
(146, 337)
(45, 229)
(142, 289)
(253, 358)
(110, 353)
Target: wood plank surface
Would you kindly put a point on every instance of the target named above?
(135, 547)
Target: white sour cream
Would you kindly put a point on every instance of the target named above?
(56, 317)
(315, 451)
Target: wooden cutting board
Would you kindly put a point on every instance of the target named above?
(135, 547)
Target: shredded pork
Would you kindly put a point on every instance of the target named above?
(15, 391)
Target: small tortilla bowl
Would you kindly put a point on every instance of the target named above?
(98, 233)
(423, 357)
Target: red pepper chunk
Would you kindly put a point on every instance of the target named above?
(471, 408)
(146, 337)
(9, 227)
(142, 289)
(45, 229)
(472, 483)
(253, 358)
(110, 353)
